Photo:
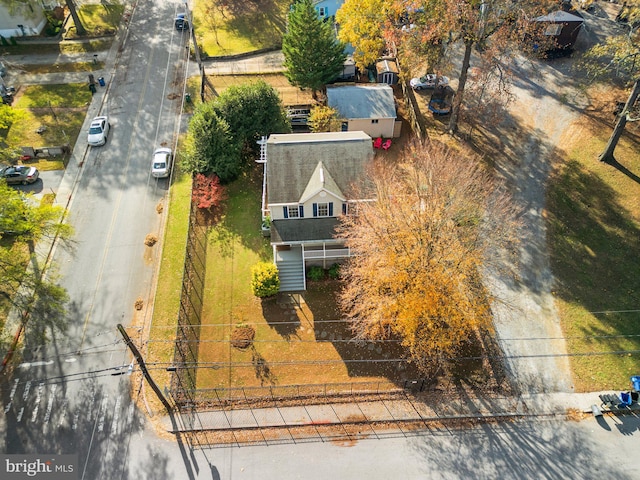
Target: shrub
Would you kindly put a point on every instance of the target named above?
(334, 271)
(207, 192)
(265, 281)
(315, 273)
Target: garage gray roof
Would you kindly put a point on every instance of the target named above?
(293, 158)
(362, 101)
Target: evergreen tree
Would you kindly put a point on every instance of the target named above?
(312, 55)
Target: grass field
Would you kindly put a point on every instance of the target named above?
(594, 218)
(100, 19)
(59, 109)
(241, 27)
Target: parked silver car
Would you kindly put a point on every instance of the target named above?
(161, 163)
(19, 174)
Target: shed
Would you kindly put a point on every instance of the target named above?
(562, 29)
(387, 71)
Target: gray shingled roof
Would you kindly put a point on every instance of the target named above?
(293, 158)
(302, 229)
(362, 101)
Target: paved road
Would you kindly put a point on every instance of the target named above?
(71, 393)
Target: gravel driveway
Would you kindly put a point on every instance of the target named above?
(547, 101)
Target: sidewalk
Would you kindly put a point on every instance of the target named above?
(386, 411)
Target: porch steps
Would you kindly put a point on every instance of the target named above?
(291, 275)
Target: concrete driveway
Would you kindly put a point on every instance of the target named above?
(48, 182)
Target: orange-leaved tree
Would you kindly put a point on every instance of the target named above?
(419, 246)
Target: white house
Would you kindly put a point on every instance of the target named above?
(308, 186)
(23, 20)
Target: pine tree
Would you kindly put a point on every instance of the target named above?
(312, 55)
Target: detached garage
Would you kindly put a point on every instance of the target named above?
(562, 29)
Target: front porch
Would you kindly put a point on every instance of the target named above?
(292, 261)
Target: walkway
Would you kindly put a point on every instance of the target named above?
(388, 411)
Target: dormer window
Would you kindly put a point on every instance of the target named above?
(323, 209)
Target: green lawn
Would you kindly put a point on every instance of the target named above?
(239, 27)
(100, 19)
(60, 109)
(594, 220)
(169, 285)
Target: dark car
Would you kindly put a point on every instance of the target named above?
(181, 22)
(15, 174)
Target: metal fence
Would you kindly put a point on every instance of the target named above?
(183, 380)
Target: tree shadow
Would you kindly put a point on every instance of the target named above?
(281, 314)
(519, 450)
(261, 367)
(622, 169)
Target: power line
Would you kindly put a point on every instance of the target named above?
(389, 360)
(352, 340)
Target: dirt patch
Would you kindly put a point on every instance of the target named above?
(242, 337)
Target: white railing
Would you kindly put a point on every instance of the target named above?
(327, 253)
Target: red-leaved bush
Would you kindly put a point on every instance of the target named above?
(207, 191)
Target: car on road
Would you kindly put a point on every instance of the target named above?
(98, 131)
(19, 174)
(181, 22)
(161, 163)
(430, 80)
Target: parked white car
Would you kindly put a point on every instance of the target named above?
(161, 164)
(98, 131)
(430, 80)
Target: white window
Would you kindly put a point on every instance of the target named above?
(322, 11)
(553, 30)
(374, 121)
(323, 209)
(293, 211)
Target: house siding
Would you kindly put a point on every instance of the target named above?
(309, 208)
(384, 127)
(33, 23)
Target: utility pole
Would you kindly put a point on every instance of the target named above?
(143, 367)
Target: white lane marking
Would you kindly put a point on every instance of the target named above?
(11, 395)
(37, 402)
(70, 360)
(103, 413)
(14, 388)
(47, 415)
(130, 413)
(75, 421)
(27, 387)
(63, 411)
(116, 415)
(34, 364)
(20, 415)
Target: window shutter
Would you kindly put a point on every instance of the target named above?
(331, 209)
(344, 208)
(285, 210)
(315, 209)
(301, 209)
